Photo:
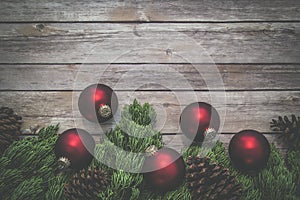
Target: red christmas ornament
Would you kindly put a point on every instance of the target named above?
(98, 103)
(74, 148)
(249, 151)
(164, 169)
(197, 118)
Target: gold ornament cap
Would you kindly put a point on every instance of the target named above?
(210, 133)
(151, 150)
(63, 163)
(105, 111)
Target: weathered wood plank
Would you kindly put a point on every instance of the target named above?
(148, 77)
(150, 43)
(177, 141)
(244, 110)
(67, 10)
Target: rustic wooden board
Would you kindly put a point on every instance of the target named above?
(244, 110)
(150, 43)
(177, 141)
(256, 44)
(147, 77)
(68, 10)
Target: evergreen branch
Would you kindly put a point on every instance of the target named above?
(9, 179)
(56, 188)
(28, 189)
(181, 194)
(142, 115)
(293, 163)
(28, 166)
(125, 185)
(49, 132)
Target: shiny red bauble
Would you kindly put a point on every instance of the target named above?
(196, 118)
(98, 103)
(164, 170)
(75, 147)
(249, 151)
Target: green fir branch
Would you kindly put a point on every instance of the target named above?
(56, 188)
(28, 166)
(28, 189)
(293, 162)
(140, 114)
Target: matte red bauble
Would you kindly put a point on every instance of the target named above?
(249, 151)
(164, 170)
(98, 103)
(74, 148)
(197, 118)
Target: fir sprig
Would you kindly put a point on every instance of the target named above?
(122, 147)
(140, 114)
(27, 167)
(293, 162)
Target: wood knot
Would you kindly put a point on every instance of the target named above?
(169, 52)
(293, 98)
(40, 27)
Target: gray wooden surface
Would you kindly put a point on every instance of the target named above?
(147, 10)
(50, 48)
(148, 43)
(249, 77)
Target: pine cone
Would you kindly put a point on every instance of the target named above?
(210, 181)
(10, 125)
(290, 129)
(86, 184)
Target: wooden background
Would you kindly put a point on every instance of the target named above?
(254, 45)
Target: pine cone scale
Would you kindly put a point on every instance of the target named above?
(86, 184)
(290, 129)
(210, 181)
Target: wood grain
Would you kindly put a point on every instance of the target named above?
(256, 46)
(178, 141)
(67, 10)
(244, 110)
(148, 77)
(150, 43)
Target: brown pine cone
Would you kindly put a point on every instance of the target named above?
(210, 181)
(10, 125)
(86, 184)
(290, 129)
